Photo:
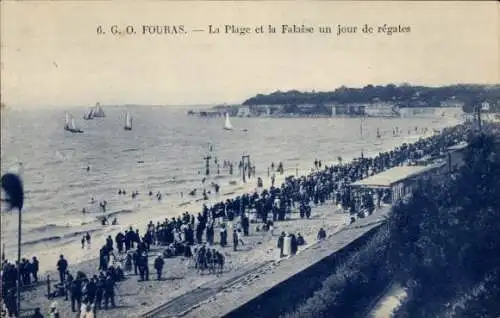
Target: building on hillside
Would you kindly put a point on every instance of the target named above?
(333, 107)
(420, 112)
(243, 111)
(374, 109)
(306, 108)
(485, 106)
(452, 103)
(350, 109)
(382, 109)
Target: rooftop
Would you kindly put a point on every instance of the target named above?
(394, 175)
(458, 146)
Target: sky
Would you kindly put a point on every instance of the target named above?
(53, 56)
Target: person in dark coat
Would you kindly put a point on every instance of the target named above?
(308, 211)
(62, 267)
(87, 239)
(143, 266)
(91, 290)
(321, 234)
(99, 291)
(136, 261)
(210, 234)
(220, 261)
(109, 292)
(294, 245)
(300, 240)
(245, 224)
(159, 263)
(67, 284)
(35, 268)
(76, 294)
(281, 240)
(127, 240)
(223, 237)
(10, 300)
(235, 240)
(119, 239)
(103, 261)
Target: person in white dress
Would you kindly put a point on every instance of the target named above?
(87, 310)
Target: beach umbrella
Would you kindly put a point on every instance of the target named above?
(14, 190)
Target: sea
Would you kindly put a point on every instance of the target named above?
(164, 152)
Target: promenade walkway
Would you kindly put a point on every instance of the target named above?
(222, 297)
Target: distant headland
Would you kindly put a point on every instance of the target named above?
(372, 100)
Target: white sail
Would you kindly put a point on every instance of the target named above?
(128, 121)
(66, 123)
(73, 126)
(227, 124)
(98, 112)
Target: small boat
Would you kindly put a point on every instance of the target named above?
(227, 123)
(97, 111)
(90, 114)
(70, 125)
(128, 122)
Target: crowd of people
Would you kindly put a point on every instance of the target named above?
(178, 236)
(28, 272)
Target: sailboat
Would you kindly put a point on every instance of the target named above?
(90, 114)
(67, 122)
(227, 124)
(70, 125)
(128, 122)
(98, 112)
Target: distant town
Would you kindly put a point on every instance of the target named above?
(370, 101)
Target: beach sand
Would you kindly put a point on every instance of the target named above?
(134, 298)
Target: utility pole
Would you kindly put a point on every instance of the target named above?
(249, 167)
(361, 128)
(243, 166)
(19, 264)
(207, 164)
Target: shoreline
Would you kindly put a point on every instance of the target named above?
(156, 212)
(194, 279)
